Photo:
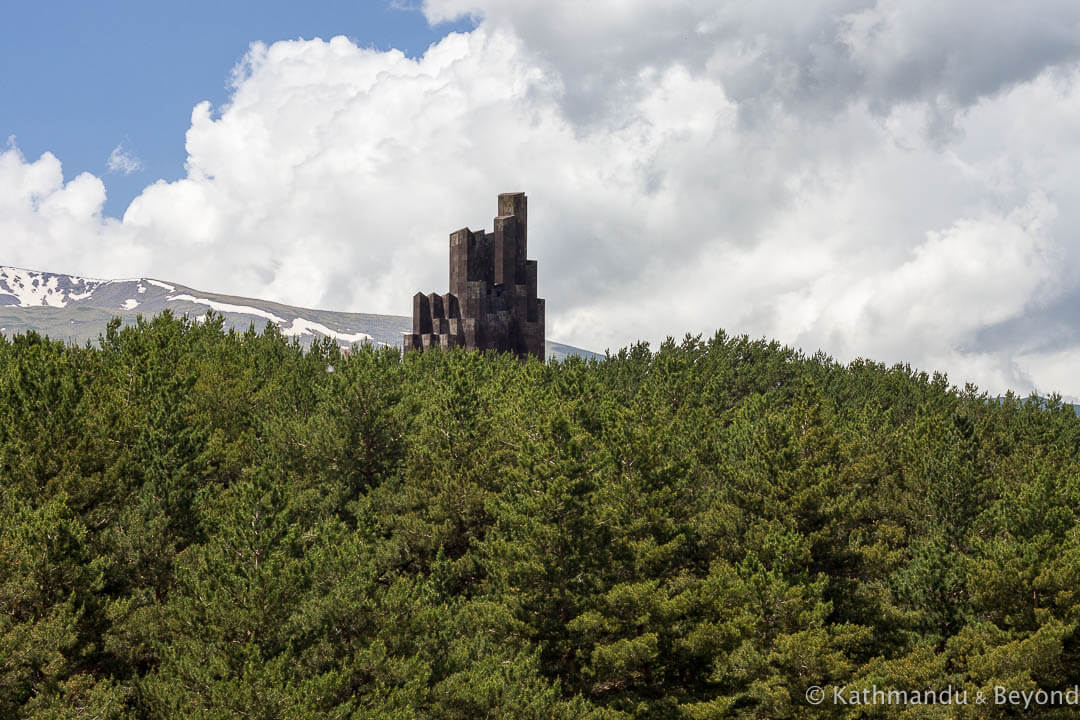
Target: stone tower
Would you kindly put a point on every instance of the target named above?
(492, 303)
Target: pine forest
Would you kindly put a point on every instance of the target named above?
(201, 523)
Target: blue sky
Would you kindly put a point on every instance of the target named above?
(80, 78)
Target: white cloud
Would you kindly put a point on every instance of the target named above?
(46, 223)
(892, 180)
(123, 161)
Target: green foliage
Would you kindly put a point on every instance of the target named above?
(210, 524)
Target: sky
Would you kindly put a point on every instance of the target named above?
(90, 83)
(895, 180)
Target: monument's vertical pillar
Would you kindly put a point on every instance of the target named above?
(459, 261)
(506, 239)
(530, 294)
(421, 322)
(517, 204)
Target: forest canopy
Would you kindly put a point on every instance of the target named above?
(209, 524)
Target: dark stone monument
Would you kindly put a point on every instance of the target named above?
(492, 303)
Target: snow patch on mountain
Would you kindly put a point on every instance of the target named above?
(29, 288)
(226, 307)
(130, 304)
(300, 326)
(80, 296)
(37, 289)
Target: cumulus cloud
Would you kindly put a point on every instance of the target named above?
(123, 161)
(813, 56)
(882, 179)
(51, 224)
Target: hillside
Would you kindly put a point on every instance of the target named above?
(196, 523)
(77, 309)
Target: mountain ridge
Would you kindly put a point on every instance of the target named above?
(76, 309)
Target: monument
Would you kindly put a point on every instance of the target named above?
(492, 303)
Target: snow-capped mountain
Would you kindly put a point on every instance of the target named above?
(77, 309)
